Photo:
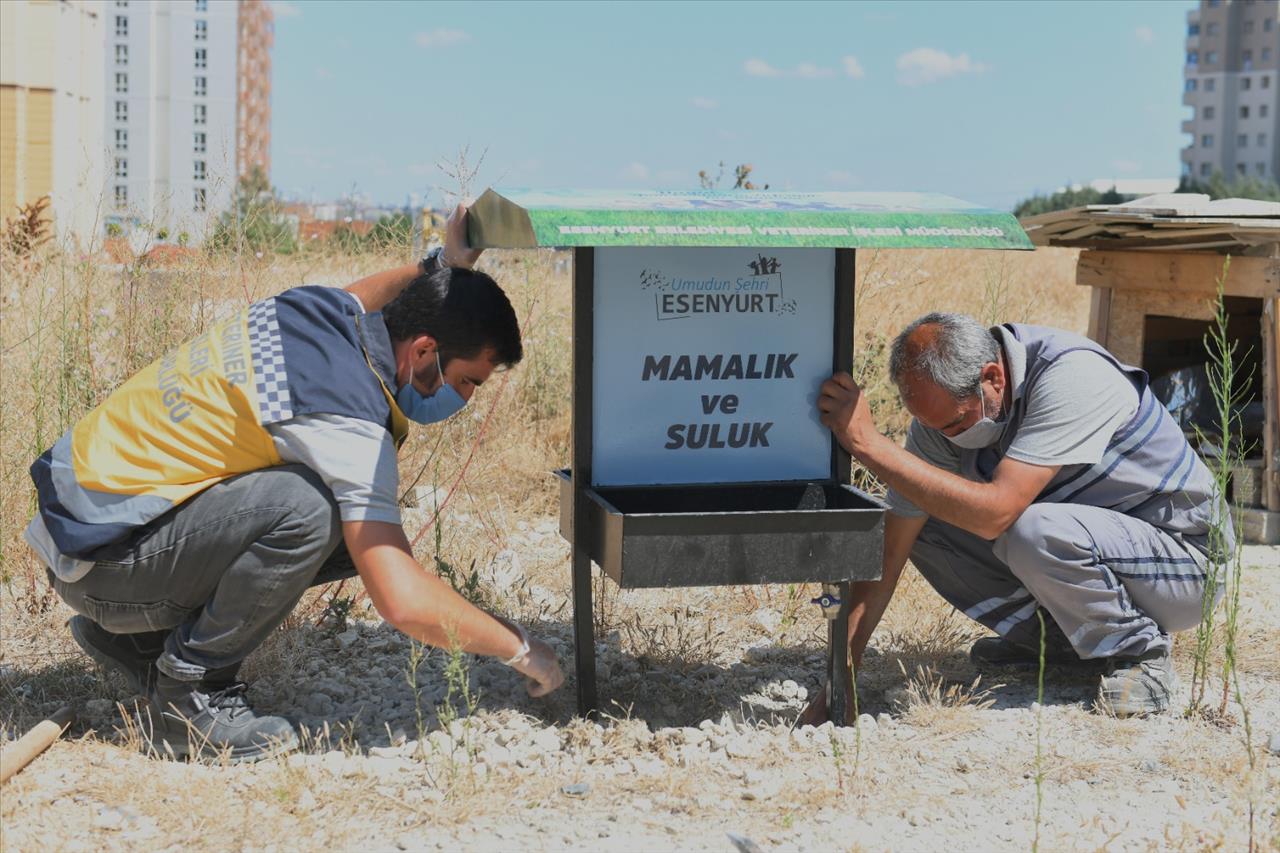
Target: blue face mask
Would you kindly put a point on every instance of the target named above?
(444, 403)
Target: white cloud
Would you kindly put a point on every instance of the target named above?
(1145, 34)
(804, 71)
(440, 38)
(852, 67)
(1126, 166)
(760, 68)
(284, 9)
(704, 103)
(636, 172)
(927, 65)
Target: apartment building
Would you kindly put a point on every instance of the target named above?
(1232, 83)
(51, 110)
(187, 108)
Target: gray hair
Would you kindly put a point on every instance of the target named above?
(953, 359)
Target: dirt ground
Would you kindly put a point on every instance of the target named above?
(696, 745)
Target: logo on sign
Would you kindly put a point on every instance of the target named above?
(761, 292)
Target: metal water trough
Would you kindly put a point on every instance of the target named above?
(675, 536)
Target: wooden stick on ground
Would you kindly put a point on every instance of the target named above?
(21, 752)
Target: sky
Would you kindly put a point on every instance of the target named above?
(988, 102)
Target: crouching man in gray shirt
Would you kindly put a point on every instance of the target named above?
(1040, 475)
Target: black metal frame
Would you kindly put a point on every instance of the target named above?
(838, 670)
(584, 638)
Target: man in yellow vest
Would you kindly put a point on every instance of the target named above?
(185, 516)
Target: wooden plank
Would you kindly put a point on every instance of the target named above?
(1089, 230)
(1100, 315)
(1271, 403)
(1229, 246)
(1180, 272)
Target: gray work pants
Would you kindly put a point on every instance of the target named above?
(1111, 585)
(220, 571)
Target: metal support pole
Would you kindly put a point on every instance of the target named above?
(583, 611)
(838, 673)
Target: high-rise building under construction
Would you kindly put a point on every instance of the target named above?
(188, 108)
(1232, 81)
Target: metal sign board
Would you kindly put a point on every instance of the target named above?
(707, 362)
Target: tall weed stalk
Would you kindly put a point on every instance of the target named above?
(1225, 573)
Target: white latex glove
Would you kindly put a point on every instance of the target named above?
(538, 664)
(541, 668)
(456, 251)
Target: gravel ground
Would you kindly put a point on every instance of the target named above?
(695, 748)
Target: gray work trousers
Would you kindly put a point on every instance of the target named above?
(1111, 585)
(220, 571)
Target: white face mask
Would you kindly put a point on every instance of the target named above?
(984, 433)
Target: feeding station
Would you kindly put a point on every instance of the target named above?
(703, 325)
(1153, 265)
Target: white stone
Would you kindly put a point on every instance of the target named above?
(547, 741)
(690, 735)
(768, 619)
(307, 801)
(496, 756)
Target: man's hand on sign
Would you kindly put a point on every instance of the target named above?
(456, 251)
(843, 409)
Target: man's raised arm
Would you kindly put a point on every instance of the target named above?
(375, 291)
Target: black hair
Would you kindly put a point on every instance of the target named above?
(464, 310)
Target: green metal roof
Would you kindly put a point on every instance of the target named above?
(530, 218)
